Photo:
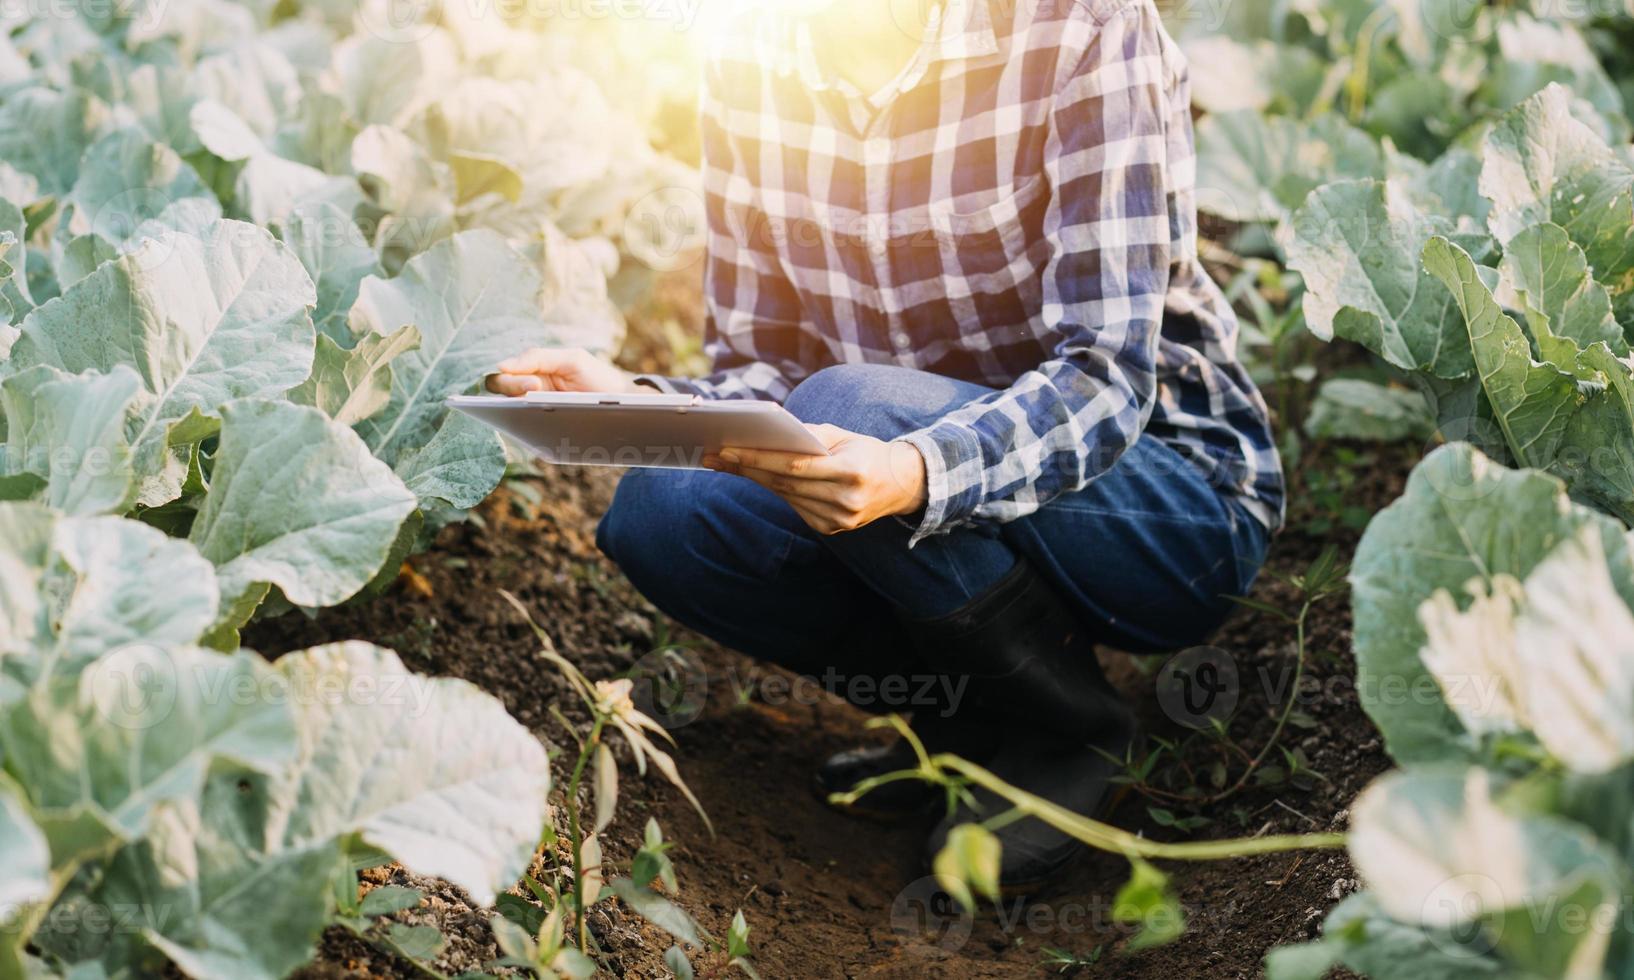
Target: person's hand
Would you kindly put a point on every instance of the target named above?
(861, 480)
(558, 369)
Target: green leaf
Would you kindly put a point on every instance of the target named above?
(352, 385)
(338, 258)
(1545, 655)
(1145, 900)
(44, 133)
(1369, 942)
(142, 727)
(1548, 269)
(1347, 408)
(208, 893)
(388, 899)
(1542, 165)
(1305, 961)
(201, 320)
(433, 772)
(1598, 461)
(1461, 517)
(459, 466)
(70, 431)
(472, 298)
(1229, 75)
(1532, 402)
(26, 856)
(416, 942)
(513, 940)
(1357, 243)
(676, 959)
(267, 187)
(296, 501)
(126, 179)
(968, 863)
(658, 910)
(127, 584)
(1253, 167)
(737, 936)
(1438, 852)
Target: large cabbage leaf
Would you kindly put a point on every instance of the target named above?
(1438, 852)
(432, 771)
(202, 320)
(1462, 517)
(69, 432)
(142, 727)
(1560, 295)
(1543, 165)
(1571, 413)
(43, 133)
(1357, 243)
(338, 258)
(1552, 656)
(296, 501)
(472, 298)
(1253, 167)
(350, 385)
(126, 179)
(96, 584)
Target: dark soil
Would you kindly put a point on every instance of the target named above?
(828, 896)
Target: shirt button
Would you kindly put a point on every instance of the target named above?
(878, 248)
(900, 340)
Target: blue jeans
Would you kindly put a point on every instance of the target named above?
(1146, 553)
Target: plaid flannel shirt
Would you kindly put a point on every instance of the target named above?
(1015, 209)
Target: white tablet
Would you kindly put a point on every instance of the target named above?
(597, 429)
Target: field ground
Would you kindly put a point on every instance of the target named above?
(820, 889)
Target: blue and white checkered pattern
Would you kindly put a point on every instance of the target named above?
(1015, 209)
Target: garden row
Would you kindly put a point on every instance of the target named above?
(248, 251)
(1454, 187)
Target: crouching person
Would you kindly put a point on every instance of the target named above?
(965, 255)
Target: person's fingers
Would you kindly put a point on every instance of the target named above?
(816, 491)
(820, 517)
(540, 360)
(515, 384)
(802, 465)
(829, 435)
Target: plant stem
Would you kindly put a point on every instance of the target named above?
(1109, 838)
(576, 839)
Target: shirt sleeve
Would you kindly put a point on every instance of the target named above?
(755, 330)
(1061, 425)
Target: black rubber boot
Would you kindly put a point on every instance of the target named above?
(1033, 676)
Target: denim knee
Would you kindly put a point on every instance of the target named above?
(625, 532)
(878, 400)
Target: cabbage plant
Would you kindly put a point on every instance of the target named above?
(1549, 386)
(164, 801)
(247, 250)
(1495, 642)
